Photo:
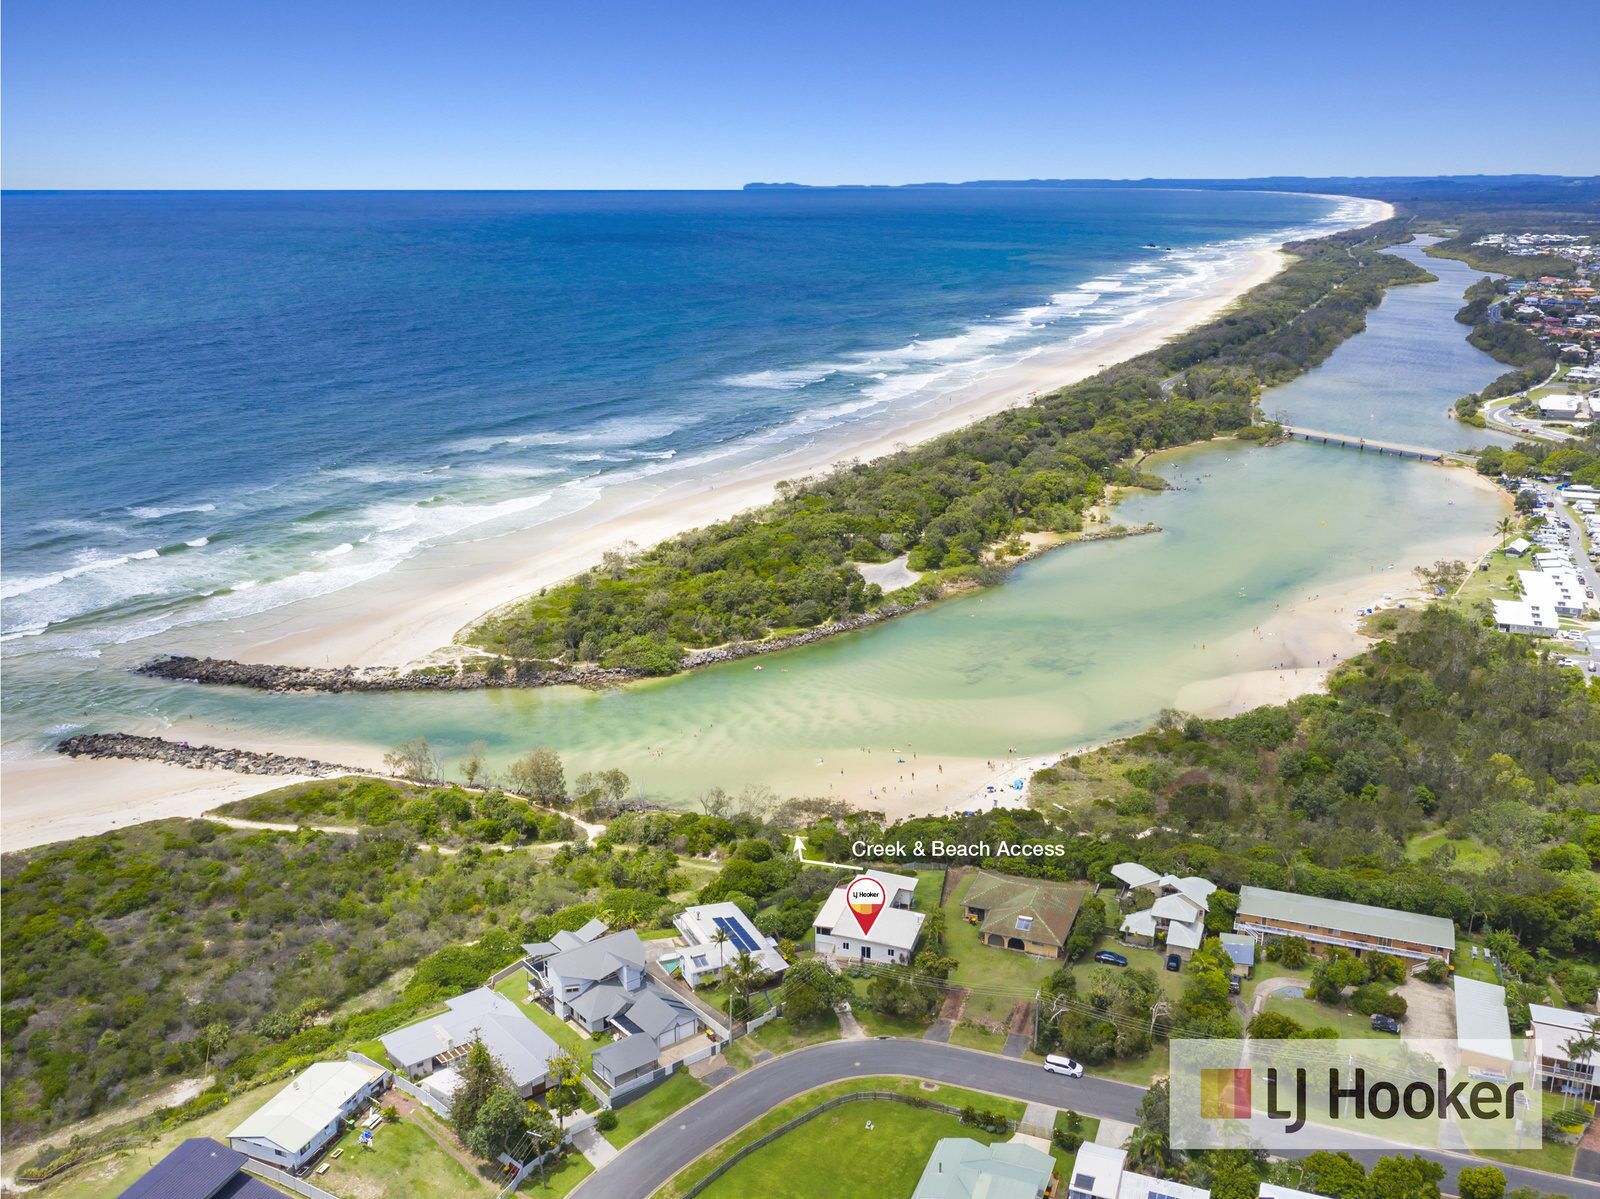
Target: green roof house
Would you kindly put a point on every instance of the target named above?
(961, 1168)
(1028, 914)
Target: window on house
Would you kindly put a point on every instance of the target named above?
(1024, 923)
(866, 951)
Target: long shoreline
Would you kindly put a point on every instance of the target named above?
(414, 614)
(109, 794)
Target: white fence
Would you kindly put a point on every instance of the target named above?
(505, 972)
(288, 1181)
(427, 1098)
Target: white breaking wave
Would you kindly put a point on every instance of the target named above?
(144, 513)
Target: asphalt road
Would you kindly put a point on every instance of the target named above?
(686, 1136)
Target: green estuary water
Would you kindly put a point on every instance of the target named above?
(1082, 644)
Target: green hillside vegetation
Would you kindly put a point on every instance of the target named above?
(180, 946)
(437, 815)
(1037, 468)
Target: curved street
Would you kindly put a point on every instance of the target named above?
(684, 1137)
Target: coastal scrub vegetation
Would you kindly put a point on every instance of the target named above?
(438, 815)
(943, 505)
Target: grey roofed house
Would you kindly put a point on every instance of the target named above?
(614, 1062)
(521, 1046)
(600, 958)
(654, 1013)
(200, 1168)
(564, 940)
(598, 1004)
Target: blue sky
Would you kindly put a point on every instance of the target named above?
(653, 93)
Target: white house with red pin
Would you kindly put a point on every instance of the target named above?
(869, 918)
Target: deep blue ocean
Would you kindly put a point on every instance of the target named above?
(221, 403)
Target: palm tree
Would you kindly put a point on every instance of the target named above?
(1580, 1046)
(743, 975)
(1506, 527)
(1149, 1149)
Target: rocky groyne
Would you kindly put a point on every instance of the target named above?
(481, 674)
(195, 757)
(472, 677)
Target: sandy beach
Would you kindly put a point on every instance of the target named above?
(409, 614)
(414, 612)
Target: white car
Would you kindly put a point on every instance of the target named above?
(1063, 1065)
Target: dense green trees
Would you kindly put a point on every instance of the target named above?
(1042, 467)
(440, 815)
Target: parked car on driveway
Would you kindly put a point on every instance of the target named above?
(1382, 1023)
(1174, 962)
(1107, 958)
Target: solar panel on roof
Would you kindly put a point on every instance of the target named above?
(736, 933)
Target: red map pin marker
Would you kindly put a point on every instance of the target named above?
(866, 898)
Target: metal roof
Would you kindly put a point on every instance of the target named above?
(1482, 1025)
(521, 1046)
(200, 1168)
(628, 1054)
(311, 1101)
(1343, 916)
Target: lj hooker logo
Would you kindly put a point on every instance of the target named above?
(1342, 1094)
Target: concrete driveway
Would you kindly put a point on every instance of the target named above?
(1430, 1011)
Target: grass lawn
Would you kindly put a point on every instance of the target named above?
(836, 1154)
(1088, 1127)
(972, 1037)
(1469, 854)
(580, 1047)
(374, 1050)
(403, 1160)
(825, 1182)
(929, 884)
(1549, 1156)
(1005, 976)
(560, 1178)
(1498, 582)
(878, 1025)
(780, 1036)
(1140, 1071)
(115, 1173)
(655, 1106)
(1312, 1014)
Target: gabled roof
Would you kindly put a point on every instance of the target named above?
(1177, 907)
(521, 1046)
(1554, 1027)
(1131, 874)
(1004, 899)
(565, 940)
(601, 1002)
(200, 1168)
(626, 1055)
(895, 927)
(1191, 886)
(1482, 1024)
(654, 1013)
(313, 1099)
(600, 958)
(1344, 916)
(961, 1168)
(1140, 924)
